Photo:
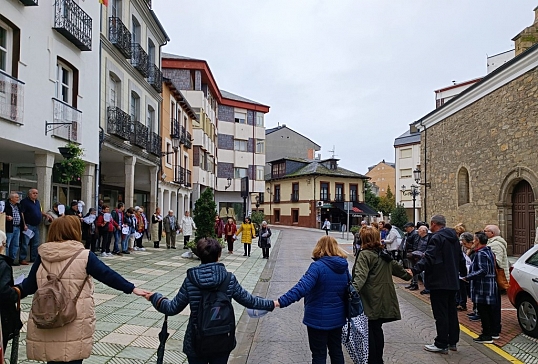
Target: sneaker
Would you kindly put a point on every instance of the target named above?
(104, 255)
(414, 288)
(109, 254)
(126, 252)
(495, 337)
(434, 349)
(142, 249)
(452, 348)
(136, 248)
(474, 318)
(483, 339)
(425, 291)
(410, 286)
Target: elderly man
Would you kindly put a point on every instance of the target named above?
(498, 246)
(411, 245)
(14, 223)
(443, 264)
(170, 225)
(33, 215)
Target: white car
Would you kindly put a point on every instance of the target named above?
(523, 291)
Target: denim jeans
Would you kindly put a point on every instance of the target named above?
(125, 242)
(321, 340)
(13, 243)
(117, 240)
(31, 244)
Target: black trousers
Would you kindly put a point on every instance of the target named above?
(321, 340)
(230, 240)
(486, 316)
(186, 239)
(265, 252)
(91, 240)
(496, 311)
(376, 341)
(446, 317)
(106, 238)
(247, 248)
(326, 231)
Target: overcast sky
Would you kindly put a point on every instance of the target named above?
(348, 73)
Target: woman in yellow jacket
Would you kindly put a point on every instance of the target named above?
(249, 232)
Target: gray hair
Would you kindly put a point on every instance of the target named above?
(467, 236)
(264, 222)
(494, 230)
(423, 227)
(439, 220)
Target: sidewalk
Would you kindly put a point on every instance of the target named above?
(127, 326)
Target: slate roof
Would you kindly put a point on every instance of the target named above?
(272, 130)
(316, 167)
(175, 56)
(231, 96)
(407, 138)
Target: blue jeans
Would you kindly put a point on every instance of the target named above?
(125, 242)
(321, 340)
(117, 240)
(32, 243)
(13, 243)
(215, 360)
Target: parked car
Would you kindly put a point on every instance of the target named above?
(523, 291)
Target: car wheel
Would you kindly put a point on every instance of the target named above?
(527, 316)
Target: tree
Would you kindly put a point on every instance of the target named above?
(205, 210)
(369, 197)
(387, 203)
(399, 216)
(257, 217)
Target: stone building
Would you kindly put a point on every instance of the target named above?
(480, 150)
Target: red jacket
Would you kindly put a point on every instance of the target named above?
(230, 229)
(101, 223)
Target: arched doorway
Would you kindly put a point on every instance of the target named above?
(523, 217)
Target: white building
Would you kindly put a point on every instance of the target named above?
(407, 157)
(49, 95)
(130, 100)
(497, 60)
(444, 94)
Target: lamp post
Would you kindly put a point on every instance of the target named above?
(417, 176)
(270, 201)
(413, 192)
(257, 202)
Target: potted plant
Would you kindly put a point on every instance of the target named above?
(72, 166)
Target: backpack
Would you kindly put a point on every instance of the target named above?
(213, 332)
(51, 305)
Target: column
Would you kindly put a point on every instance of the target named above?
(88, 188)
(43, 165)
(130, 162)
(153, 188)
(160, 198)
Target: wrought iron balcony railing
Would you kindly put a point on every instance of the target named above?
(155, 78)
(73, 23)
(139, 134)
(11, 98)
(294, 197)
(139, 59)
(71, 117)
(118, 122)
(188, 142)
(188, 182)
(179, 175)
(154, 144)
(29, 2)
(324, 196)
(120, 36)
(175, 129)
(276, 198)
(182, 134)
(340, 197)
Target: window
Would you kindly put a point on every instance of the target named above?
(406, 153)
(151, 119)
(260, 146)
(134, 109)
(406, 173)
(277, 193)
(64, 83)
(240, 172)
(240, 117)
(324, 191)
(533, 260)
(261, 197)
(339, 192)
(113, 86)
(259, 119)
(463, 187)
(168, 153)
(6, 38)
(115, 8)
(295, 192)
(295, 216)
(240, 145)
(151, 52)
(353, 196)
(260, 173)
(278, 170)
(277, 215)
(135, 33)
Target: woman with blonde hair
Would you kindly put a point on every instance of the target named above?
(72, 342)
(372, 277)
(324, 287)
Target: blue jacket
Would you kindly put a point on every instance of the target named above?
(483, 277)
(205, 276)
(323, 287)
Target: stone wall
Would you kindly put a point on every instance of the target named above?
(495, 139)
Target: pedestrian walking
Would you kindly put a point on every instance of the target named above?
(248, 232)
(324, 288)
(156, 227)
(170, 225)
(482, 276)
(14, 226)
(443, 264)
(187, 225)
(230, 232)
(33, 215)
(72, 342)
(219, 226)
(264, 240)
(372, 278)
(326, 226)
(210, 275)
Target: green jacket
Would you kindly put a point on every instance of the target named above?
(372, 277)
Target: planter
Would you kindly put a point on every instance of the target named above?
(66, 152)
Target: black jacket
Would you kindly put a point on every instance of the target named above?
(443, 261)
(9, 212)
(411, 241)
(11, 318)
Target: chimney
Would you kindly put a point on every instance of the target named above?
(528, 37)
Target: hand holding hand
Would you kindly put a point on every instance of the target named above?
(148, 296)
(141, 292)
(277, 304)
(409, 271)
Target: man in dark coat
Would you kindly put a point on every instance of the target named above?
(443, 264)
(411, 245)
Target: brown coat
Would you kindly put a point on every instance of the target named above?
(73, 341)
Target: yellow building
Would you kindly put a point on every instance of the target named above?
(303, 192)
(383, 175)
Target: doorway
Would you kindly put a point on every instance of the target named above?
(523, 217)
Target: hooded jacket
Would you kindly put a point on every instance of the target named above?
(443, 262)
(323, 287)
(205, 277)
(498, 248)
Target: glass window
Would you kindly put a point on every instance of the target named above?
(168, 153)
(406, 153)
(240, 117)
(533, 260)
(151, 52)
(134, 109)
(353, 193)
(112, 91)
(324, 191)
(240, 172)
(259, 119)
(63, 83)
(151, 119)
(277, 215)
(5, 48)
(464, 195)
(260, 175)
(406, 173)
(295, 216)
(260, 146)
(240, 145)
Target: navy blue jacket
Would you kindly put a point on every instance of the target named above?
(205, 276)
(323, 287)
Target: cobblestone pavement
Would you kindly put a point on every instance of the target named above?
(128, 326)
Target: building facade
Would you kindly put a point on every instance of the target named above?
(130, 100)
(407, 157)
(383, 175)
(49, 56)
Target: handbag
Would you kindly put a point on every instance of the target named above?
(355, 339)
(502, 283)
(354, 302)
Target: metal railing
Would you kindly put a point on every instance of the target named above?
(139, 59)
(276, 198)
(29, 2)
(294, 196)
(120, 36)
(64, 113)
(179, 175)
(188, 182)
(175, 129)
(139, 134)
(182, 134)
(154, 144)
(188, 142)
(340, 197)
(11, 98)
(73, 23)
(155, 78)
(118, 122)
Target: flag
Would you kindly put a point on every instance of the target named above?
(104, 2)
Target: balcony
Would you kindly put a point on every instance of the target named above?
(294, 197)
(188, 142)
(176, 129)
(118, 122)
(179, 175)
(188, 182)
(155, 143)
(139, 135)
(339, 197)
(71, 117)
(276, 198)
(73, 23)
(139, 59)
(119, 35)
(324, 196)
(11, 98)
(29, 2)
(155, 78)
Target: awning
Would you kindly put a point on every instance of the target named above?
(358, 208)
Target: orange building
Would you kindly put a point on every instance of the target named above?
(383, 175)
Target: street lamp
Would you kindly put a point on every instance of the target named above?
(413, 192)
(257, 202)
(417, 174)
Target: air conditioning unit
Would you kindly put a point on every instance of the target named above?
(319, 204)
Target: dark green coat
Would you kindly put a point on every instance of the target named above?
(373, 279)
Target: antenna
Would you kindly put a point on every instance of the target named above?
(332, 151)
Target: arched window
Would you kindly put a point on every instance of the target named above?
(464, 195)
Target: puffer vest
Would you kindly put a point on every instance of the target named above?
(73, 341)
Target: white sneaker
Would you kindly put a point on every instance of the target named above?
(104, 255)
(135, 248)
(142, 249)
(108, 254)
